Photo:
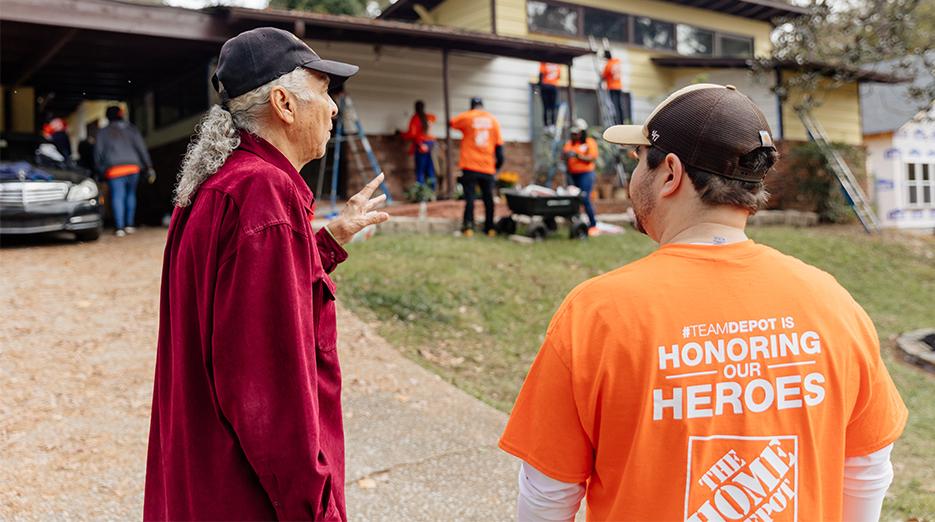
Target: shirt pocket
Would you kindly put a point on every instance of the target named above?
(326, 327)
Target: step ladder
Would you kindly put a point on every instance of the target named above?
(558, 140)
(857, 199)
(605, 105)
(347, 112)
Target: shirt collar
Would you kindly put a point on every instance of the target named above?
(269, 153)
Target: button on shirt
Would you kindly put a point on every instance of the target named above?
(246, 421)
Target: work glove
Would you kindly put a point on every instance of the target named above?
(150, 175)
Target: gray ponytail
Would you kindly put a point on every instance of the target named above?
(216, 136)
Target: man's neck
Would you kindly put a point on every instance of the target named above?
(709, 234)
(717, 226)
(283, 145)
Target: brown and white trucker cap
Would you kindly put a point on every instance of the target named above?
(708, 126)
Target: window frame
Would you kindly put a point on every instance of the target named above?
(920, 184)
(631, 30)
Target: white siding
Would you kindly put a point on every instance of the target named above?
(391, 79)
(756, 87)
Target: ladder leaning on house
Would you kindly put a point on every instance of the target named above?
(605, 106)
(346, 111)
(857, 199)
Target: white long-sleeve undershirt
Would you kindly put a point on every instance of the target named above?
(866, 479)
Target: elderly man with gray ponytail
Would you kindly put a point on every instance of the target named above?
(246, 419)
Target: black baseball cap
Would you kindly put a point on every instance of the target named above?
(259, 56)
(708, 126)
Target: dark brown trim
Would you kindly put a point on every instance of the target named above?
(745, 63)
(357, 29)
(493, 16)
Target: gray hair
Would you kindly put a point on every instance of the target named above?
(216, 136)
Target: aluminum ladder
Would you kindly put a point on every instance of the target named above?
(346, 110)
(857, 199)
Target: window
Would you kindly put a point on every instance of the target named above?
(653, 33)
(557, 18)
(735, 47)
(606, 24)
(551, 18)
(921, 183)
(692, 41)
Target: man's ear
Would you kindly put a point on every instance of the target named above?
(283, 104)
(674, 175)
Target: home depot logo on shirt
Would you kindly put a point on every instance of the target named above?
(742, 478)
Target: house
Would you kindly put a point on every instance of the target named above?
(900, 142)
(61, 55)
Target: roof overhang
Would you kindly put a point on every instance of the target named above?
(763, 10)
(744, 63)
(384, 32)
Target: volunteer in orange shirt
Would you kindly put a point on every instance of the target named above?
(481, 158)
(549, 75)
(581, 154)
(422, 143)
(715, 379)
(612, 75)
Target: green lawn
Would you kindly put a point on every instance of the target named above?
(475, 311)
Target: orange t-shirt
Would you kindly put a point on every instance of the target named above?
(707, 383)
(481, 137)
(588, 148)
(551, 72)
(612, 75)
(416, 134)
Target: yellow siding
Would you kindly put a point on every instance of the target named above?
(839, 114)
(511, 19)
(465, 14)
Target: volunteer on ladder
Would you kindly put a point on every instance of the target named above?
(612, 76)
(481, 158)
(580, 153)
(549, 76)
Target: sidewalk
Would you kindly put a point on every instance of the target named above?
(417, 448)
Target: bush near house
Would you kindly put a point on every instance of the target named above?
(804, 181)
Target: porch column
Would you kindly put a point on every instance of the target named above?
(449, 175)
(571, 97)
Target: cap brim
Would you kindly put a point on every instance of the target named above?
(337, 71)
(626, 135)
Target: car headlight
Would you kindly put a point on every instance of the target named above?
(87, 189)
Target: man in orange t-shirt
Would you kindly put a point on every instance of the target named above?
(549, 76)
(481, 158)
(612, 76)
(715, 379)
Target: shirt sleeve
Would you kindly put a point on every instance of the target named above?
(457, 122)
(866, 480)
(592, 147)
(265, 372)
(141, 149)
(879, 415)
(544, 428)
(499, 136)
(331, 252)
(542, 498)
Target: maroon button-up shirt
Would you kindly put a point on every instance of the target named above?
(246, 421)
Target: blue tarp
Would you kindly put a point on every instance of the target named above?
(12, 171)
